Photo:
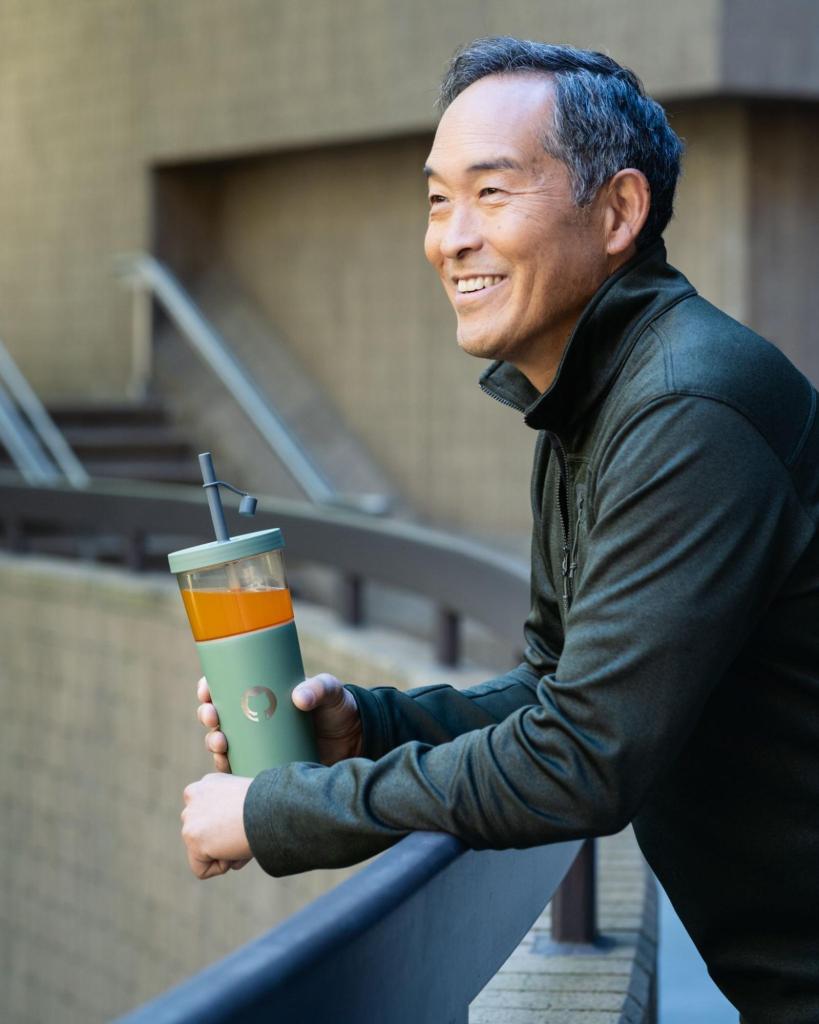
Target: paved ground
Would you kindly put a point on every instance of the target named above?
(607, 985)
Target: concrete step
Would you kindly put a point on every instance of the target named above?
(88, 414)
(125, 441)
(163, 441)
(172, 470)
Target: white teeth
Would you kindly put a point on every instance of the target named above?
(475, 284)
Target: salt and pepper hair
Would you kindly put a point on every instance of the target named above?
(603, 119)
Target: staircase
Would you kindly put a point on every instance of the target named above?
(127, 441)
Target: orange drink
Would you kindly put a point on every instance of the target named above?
(214, 614)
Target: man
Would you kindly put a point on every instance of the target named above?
(671, 674)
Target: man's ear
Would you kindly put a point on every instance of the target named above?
(628, 198)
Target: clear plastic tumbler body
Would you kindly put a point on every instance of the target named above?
(239, 606)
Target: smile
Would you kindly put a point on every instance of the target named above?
(477, 284)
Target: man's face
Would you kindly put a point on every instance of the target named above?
(517, 258)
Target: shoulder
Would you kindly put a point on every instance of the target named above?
(707, 354)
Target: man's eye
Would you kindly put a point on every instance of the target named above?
(435, 200)
(490, 191)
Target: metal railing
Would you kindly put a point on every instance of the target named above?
(151, 279)
(29, 434)
(413, 937)
(462, 578)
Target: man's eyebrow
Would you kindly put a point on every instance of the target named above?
(501, 163)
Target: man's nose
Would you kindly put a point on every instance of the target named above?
(461, 233)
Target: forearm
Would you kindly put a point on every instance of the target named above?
(437, 714)
(516, 783)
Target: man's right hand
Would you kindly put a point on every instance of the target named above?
(335, 718)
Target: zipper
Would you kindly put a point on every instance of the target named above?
(567, 570)
(503, 401)
(580, 497)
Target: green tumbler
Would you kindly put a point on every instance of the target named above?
(239, 606)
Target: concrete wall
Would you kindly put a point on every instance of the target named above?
(784, 218)
(708, 236)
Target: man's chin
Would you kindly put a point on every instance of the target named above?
(481, 348)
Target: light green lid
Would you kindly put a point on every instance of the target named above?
(205, 556)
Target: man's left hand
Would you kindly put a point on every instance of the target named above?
(213, 824)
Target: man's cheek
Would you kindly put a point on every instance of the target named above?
(432, 249)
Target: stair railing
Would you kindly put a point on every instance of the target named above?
(27, 430)
(150, 278)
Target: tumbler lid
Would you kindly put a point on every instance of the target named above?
(205, 556)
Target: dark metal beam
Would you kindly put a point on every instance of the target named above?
(448, 637)
(574, 916)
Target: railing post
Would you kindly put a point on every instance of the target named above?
(448, 637)
(574, 905)
(135, 551)
(351, 599)
(142, 340)
(15, 537)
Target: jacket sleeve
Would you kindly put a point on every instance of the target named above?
(695, 526)
(437, 714)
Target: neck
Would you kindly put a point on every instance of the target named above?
(540, 366)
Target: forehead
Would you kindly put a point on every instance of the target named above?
(498, 114)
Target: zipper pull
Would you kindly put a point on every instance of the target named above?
(573, 563)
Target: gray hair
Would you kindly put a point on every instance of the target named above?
(603, 119)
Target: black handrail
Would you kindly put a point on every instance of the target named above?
(414, 936)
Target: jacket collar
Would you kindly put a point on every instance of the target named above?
(604, 335)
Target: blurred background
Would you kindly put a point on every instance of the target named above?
(250, 172)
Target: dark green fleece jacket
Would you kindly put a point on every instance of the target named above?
(671, 672)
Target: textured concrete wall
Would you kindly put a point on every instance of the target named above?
(72, 188)
(708, 236)
(784, 205)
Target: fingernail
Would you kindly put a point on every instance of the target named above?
(305, 695)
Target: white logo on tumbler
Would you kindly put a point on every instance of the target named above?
(257, 691)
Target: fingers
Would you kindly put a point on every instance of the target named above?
(216, 742)
(207, 715)
(202, 691)
(207, 868)
(322, 690)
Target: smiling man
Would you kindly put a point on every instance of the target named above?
(518, 258)
(671, 669)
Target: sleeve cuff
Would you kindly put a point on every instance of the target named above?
(376, 736)
(258, 822)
